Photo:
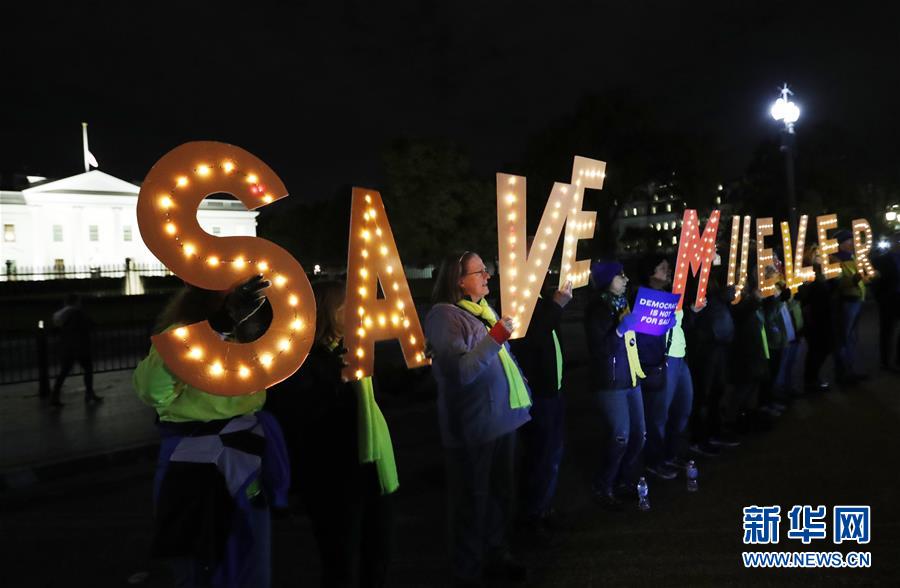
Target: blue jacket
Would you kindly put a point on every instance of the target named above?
(473, 393)
(609, 358)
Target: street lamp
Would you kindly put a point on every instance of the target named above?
(788, 112)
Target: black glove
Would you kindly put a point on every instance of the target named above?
(246, 298)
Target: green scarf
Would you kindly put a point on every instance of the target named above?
(518, 393)
(559, 361)
(762, 331)
(374, 436)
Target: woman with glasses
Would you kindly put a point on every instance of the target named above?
(482, 400)
(615, 375)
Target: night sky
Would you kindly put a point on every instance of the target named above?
(318, 90)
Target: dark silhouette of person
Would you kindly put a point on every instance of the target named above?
(75, 345)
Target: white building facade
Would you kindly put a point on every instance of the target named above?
(90, 220)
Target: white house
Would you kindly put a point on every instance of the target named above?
(90, 220)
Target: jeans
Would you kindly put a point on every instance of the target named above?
(848, 337)
(680, 390)
(542, 439)
(785, 374)
(192, 573)
(657, 401)
(480, 495)
(623, 414)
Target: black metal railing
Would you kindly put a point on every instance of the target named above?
(10, 272)
(36, 354)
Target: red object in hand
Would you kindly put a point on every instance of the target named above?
(499, 333)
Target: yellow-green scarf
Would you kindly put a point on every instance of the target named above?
(518, 393)
(559, 361)
(631, 351)
(374, 437)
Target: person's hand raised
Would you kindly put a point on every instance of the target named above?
(564, 295)
(246, 298)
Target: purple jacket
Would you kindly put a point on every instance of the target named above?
(473, 393)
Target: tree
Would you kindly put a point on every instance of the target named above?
(436, 204)
(621, 130)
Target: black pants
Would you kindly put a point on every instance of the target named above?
(480, 496)
(767, 387)
(818, 348)
(353, 526)
(68, 362)
(543, 442)
(888, 337)
(710, 380)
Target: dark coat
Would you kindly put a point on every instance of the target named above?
(536, 352)
(817, 301)
(748, 355)
(317, 413)
(609, 358)
(714, 325)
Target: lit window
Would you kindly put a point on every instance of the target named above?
(57, 233)
(217, 231)
(634, 211)
(668, 208)
(9, 233)
(93, 233)
(718, 200)
(658, 227)
(626, 213)
(666, 226)
(59, 265)
(126, 233)
(674, 240)
(653, 210)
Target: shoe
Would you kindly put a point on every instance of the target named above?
(679, 463)
(770, 410)
(705, 449)
(663, 472)
(458, 582)
(503, 566)
(627, 492)
(607, 500)
(724, 440)
(92, 399)
(817, 388)
(533, 533)
(552, 520)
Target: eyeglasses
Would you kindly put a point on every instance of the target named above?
(482, 272)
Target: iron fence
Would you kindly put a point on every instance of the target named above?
(13, 273)
(35, 354)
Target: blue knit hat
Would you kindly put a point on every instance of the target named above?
(843, 235)
(603, 272)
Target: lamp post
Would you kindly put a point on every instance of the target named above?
(788, 112)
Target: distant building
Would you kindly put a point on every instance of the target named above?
(652, 221)
(88, 221)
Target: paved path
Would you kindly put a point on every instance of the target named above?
(840, 448)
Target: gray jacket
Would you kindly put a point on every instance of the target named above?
(473, 393)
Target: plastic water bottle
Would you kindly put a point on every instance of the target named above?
(691, 476)
(642, 490)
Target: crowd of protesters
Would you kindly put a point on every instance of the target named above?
(722, 370)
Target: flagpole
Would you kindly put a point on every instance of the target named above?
(84, 141)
